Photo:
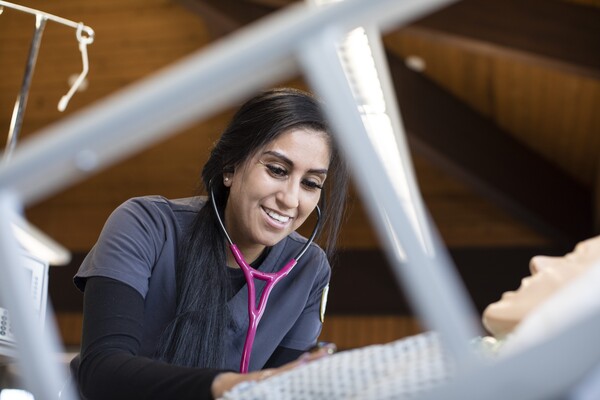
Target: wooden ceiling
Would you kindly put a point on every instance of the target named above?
(502, 121)
(507, 101)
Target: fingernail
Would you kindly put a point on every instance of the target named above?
(304, 357)
(330, 348)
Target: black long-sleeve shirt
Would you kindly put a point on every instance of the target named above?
(109, 365)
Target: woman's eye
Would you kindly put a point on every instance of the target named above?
(280, 172)
(276, 170)
(312, 185)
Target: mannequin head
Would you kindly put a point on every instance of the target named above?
(548, 274)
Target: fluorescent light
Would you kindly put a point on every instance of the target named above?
(15, 394)
(361, 71)
(38, 243)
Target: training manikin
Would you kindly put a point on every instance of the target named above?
(548, 274)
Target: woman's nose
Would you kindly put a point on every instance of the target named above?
(289, 195)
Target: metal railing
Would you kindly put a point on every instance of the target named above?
(298, 38)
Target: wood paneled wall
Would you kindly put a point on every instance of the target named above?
(346, 331)
(595, 3)
(135, 38)
(549, 105)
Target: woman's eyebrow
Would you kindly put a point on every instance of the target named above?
(320, 171)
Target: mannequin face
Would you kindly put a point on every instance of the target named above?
(548, 274)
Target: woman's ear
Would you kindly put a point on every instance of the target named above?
(227, 178)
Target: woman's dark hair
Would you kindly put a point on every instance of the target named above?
(196, 336)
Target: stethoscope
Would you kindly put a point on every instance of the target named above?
(255, 313)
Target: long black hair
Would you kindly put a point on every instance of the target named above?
(196, 336)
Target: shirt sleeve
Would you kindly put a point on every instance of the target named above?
(109, 366)
(131, 237)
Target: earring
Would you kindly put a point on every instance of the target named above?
(226, 179)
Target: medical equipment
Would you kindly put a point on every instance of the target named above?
(255, 313)
(85, 37)
(28, 235)
(36, 272)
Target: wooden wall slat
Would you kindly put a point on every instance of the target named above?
(554, 33)
(347, 332)
(462, 217)
(69, 326)
(552, 112)
(549, 109)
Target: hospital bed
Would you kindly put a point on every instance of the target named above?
(303, 39)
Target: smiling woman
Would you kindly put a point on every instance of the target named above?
(274, 192)
(165, 305)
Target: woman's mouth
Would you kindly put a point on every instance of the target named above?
(282, 219)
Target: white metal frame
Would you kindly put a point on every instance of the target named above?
(298, 37)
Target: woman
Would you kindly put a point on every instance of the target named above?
(165, 304)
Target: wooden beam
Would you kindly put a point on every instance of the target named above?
(474, 149)
(244, 12)
(563, 34)
(218, 22)
(224, 16)
(558, 32)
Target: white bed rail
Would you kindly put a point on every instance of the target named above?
(298, 38)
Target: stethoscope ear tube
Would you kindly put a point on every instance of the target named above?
(254, 312)
(214, 204)
(312, 235)
(300, 253)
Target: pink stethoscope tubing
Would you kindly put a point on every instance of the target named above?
(255, 313)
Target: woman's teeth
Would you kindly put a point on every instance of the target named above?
(277, 217)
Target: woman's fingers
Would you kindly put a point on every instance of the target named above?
(319, 351)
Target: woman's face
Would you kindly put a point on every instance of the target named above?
(274, 191)
(548, 274)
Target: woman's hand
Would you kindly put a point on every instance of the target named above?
(227, 380)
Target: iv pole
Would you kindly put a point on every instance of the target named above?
(34, 238)
(36, 349)
(21, 102)
(17, 117)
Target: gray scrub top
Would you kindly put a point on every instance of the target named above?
(138, 246)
